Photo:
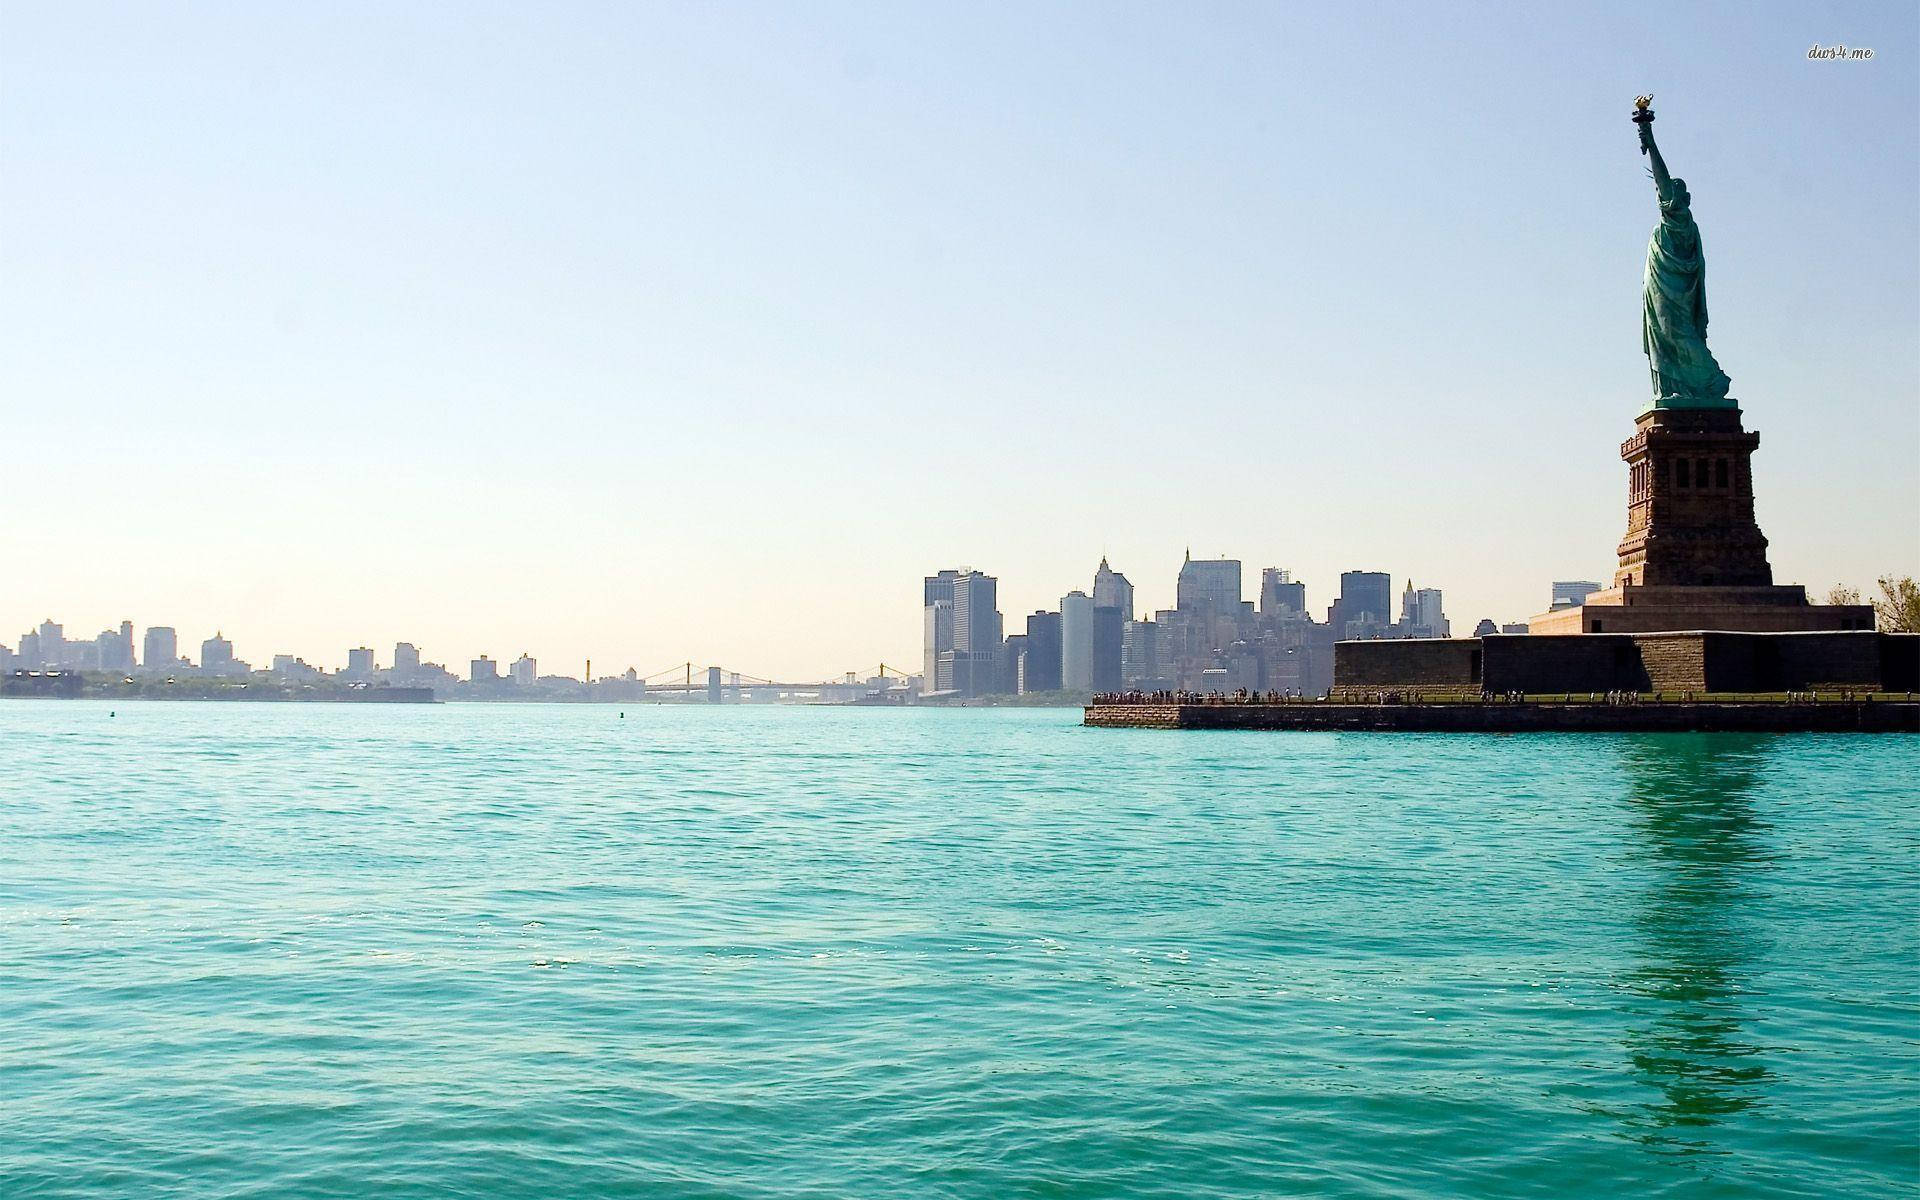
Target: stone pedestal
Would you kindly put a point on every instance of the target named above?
(1693, 557)
(1690, 503)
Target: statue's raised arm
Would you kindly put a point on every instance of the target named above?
(1643, 117)
(1674, 322)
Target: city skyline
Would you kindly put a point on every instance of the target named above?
(610, 330)
(182, 638)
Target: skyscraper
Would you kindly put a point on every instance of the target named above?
(1365, 603)
(360, 662)
(1013, 654)
(1109, 626)
(1076, 642)
(1208, 587)
(53, 644)
(1279, 594)
(1111, 590)
(976, 613)
(483, 670)
(976, 633)
(1420, 613)
(525, 670)
(113, 649)
(216, 654)
(1041, 669)
(937, 631)
(937, 624)
(161, 648)
(406, 659)
(1140, 659)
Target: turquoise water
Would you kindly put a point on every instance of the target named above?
(529, 951)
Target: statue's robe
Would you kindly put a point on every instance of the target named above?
(1674, 326)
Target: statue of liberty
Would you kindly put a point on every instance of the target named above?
(1674, 322)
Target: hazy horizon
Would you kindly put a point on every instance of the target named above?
(675, 332)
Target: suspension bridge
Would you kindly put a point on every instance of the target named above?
(691, 683)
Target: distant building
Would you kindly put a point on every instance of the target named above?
(525, 670)
(406, 659)
(483, 670)
(1141, 662)
(1485, 627)
(287, 667)
(216, 655)
(1076, 642)
(53, 644)
(937, 633)
(937, 625)
(976, 613)
(1514, 627)
(1111, 590)
(1109, 629)
(1364, 608)
(962, 630)
(1208, 587)
(360, 662)
(1570, 592)
(113, 649)
(1421, 614)
(1040, 662)
(1013, 654)
(160, 649)
(1279, 594)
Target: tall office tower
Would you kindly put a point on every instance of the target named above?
(1420, 612)
(977, 631)
(525, 669)
(1279, 595)
(976, 613)
(216, 654)
(1013, 666)
(1569, 592)
(1111, 590)
(29, 652)
(937, 632)
(1140, 655)
(1042, 668)
(1076, 642)
(53, 644)
(1366, 599)
(114, 648)
(161, 648)
(937, 618)
(1109, 625)
(406, 659)
(482, 670)
(1208, 587)
(360, 662)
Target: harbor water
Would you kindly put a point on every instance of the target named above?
(501, 951)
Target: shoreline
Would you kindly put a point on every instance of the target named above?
(1527, 716)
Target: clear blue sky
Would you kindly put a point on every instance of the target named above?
(648, 332)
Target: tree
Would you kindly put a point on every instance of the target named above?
(1840, 593)
(1898, 607)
